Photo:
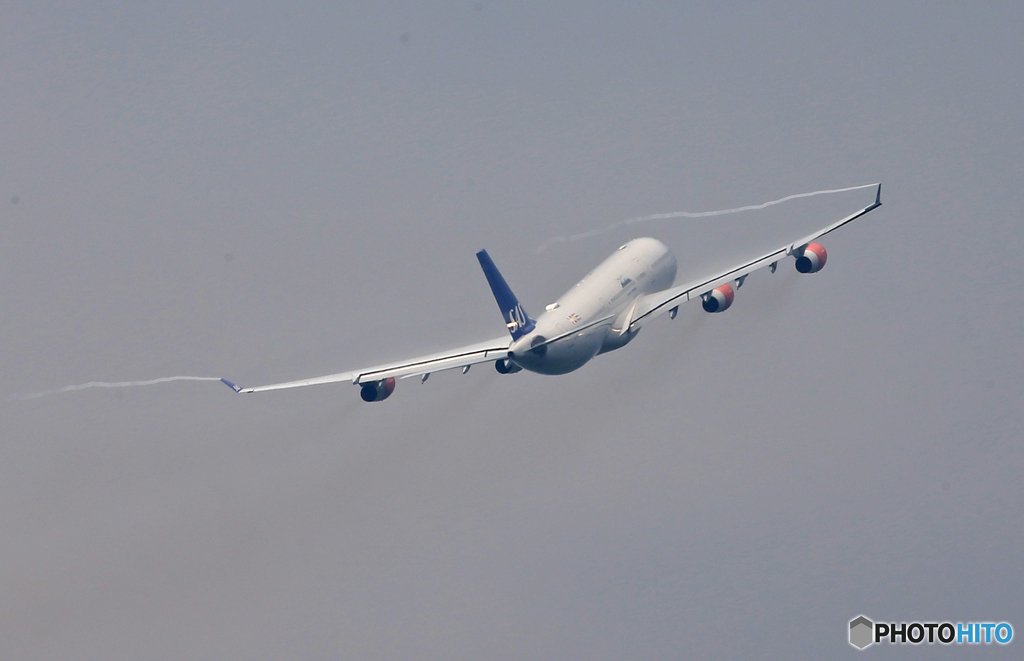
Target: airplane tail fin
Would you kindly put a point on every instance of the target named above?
(518, 322)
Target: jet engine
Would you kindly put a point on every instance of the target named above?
(377, 391)
(813, 258)
(506, 366)
(718, 299)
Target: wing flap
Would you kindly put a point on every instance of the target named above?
(472, 354)
(836, 225)
(316, 381)
(446, 360)
(655, 304)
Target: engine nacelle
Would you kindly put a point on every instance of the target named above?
(377, 391)
(813, 259)
(506, 366)
(718, 299)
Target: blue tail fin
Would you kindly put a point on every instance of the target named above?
(516, 319)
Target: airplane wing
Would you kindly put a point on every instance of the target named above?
(472, 354)
(652, 305)
(379, 381)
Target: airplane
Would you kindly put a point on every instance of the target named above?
(603, 312)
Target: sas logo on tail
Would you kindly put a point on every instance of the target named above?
(516, 318)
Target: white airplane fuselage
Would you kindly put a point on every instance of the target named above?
(600, 306)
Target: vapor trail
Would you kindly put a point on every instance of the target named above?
(686, 214)
(120, 384)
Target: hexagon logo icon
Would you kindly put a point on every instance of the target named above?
(861, 632)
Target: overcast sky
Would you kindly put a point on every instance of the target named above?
(269, 192)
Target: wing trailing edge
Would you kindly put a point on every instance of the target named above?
(655, 304)
(472, 354)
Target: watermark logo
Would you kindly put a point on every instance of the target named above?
(864, 632)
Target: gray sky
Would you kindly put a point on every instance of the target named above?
(268, 193)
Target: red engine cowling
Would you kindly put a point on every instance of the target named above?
(813, 259)
(718, 299)
(377, 391)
